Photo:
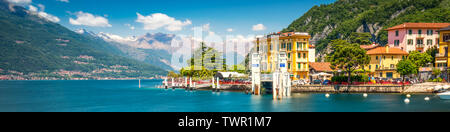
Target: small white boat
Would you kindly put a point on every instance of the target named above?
(445, 95)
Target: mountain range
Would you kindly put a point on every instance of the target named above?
(153, 49)
(34, 47)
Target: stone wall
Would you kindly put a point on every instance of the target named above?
(350, 89)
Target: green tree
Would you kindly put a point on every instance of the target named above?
(432, 52)
(405, 68)
(360, 38)
(420, 59)
(173, 74)
(347, 57)
(437, 72)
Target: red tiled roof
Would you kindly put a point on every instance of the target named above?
(321, 66)
(287, 34)
(420, 25)
(382, 51)
(369, 47)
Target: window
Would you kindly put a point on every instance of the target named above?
(410, 32)
(384, 57)
(396, 43)
(299, 55)
(289, 65)
(376, 67)
(396, 33)
(429, 32)
(377, 57)
(381, 74)
(429, 42)
(419, 41)
(298, 65)
(410, 42)
(289, 55)
(304, 55)
(289, 46)
(370, 67)
(420, 32)
(392, 57)
(446, 37)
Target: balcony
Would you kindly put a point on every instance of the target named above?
(440, 55)
(302, 70)
(302, 49)
(386, 68)
(302, 60)
(420, 47)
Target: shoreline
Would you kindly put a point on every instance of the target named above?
(425, 88)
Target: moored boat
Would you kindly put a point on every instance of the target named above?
(445, 95)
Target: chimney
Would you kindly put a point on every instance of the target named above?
(387, 48)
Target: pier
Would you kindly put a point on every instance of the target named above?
(215, 85)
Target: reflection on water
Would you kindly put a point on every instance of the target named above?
(126, 96)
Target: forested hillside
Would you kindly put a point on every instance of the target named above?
(31, 46)
(340, 19)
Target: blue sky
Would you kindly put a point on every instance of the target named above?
(179, 15)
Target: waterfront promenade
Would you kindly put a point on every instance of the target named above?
(416, 88)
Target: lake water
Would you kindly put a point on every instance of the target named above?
(125, 96)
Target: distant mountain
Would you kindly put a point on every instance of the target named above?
(33, 47)
(341, 18)
(153, 49)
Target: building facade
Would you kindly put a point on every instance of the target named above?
(383, 62)
(297, 47)
(415, 36)
(442, 58)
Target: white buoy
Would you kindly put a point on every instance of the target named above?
(407, 101)
(365, 95)
(327, 95)
(408, 95)
(427, 98)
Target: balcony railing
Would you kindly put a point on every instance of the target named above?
(420, 46)
(441, 55)
(386, 68)
(302, 49)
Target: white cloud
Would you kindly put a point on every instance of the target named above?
(32, 8)
(43, 14)
(259, 27)
(48, 16)
(159, 20)
(67, 1)
(206, 27)
(229, 30)
(41, 6)
(88, 19)
(130, 26)
(25, 2)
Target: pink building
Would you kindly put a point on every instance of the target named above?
(415, 36)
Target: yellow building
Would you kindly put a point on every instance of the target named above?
(295, 44)
(442, 59)
(383, 62)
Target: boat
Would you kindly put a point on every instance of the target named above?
(444, 95)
